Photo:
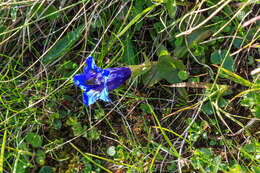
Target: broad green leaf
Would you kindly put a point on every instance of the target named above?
(62, 46)
(40, 157)
(57, 124)
(255, 169)
(162, 51)
(215, 168)
(207, 108)
(183, 75)
(222, 102)
(251, 99)
(152, 76)
(218, 56)
(46, 169)
(158, 26)
(178, 41)
(193, 39)
(171, 8)
(41, 10)
(250, 148)
(33, 139)
(198, 36)
(168, 69)
(180, 51)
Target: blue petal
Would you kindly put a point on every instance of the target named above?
(92, 96)
(90, 62)
(89, 98)
(117, 76)
(89, 73)
(79, 79)
(104, 95)
(97, 82)
(92, 66)
(105, 73)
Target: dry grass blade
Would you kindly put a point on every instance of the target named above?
(206, 20)
(192, 85)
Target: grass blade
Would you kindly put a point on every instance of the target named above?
(62, 46)
(2, 154)
(164, 134)
(136, 18)
(234, 77)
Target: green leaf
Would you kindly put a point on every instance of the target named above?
(178, 41)
(62, 46)
(40, 157)
(57, 124)
(255, 169)
(41, 10)
(250, 148)
(77, 128)
(152, 76)
(33, 139)
(216, 164)
(207, 108)
(183, 75)
(145, 108)
(158, 26)
(206, 152)
(46, 169)
(218, 56)
(256, 111)
(162, 51)
(94, 134)
(172, 166)
(199, 50)
(251, 60)
(193, 39)
(213, 142)
(99, 113)
(238, 43)
(138, 8)
(171, 8)
(251, 98)
(222, 102)
(168, 69)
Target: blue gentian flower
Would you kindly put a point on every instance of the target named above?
(97, 82)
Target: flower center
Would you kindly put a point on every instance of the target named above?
(95, 80)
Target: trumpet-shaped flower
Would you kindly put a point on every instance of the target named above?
(97, 82)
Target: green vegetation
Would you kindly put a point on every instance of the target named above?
(192, 104)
